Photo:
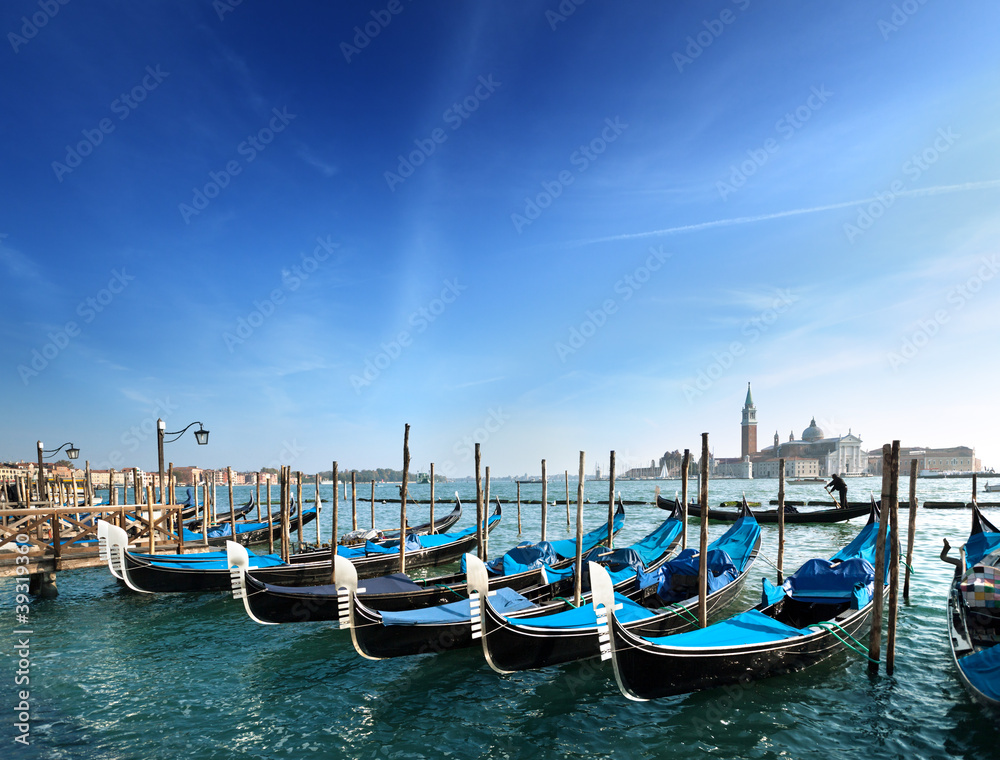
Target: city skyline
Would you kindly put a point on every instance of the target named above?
(546, 228)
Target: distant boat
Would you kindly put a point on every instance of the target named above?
(803, 481)
(994, 488)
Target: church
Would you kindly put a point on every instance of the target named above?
(811, 455)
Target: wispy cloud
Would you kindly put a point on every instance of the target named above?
(939, 190)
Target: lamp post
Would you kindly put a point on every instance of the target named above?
(200, 435)
(72, 452)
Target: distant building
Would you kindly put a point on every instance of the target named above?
(929, 461)
(812, 455)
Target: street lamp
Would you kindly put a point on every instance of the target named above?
(200, 435)
(72, 452)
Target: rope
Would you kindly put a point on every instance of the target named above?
(768, 561)
(912, 571)
(448, 588)
(860, 649)
(564, 599)
(683, 612)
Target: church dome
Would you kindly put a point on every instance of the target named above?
(813, 432)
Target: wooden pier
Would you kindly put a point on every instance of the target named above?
(42, 539)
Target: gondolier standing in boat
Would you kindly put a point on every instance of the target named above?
(837, 484)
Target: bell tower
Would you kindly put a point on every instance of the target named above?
(749, 437)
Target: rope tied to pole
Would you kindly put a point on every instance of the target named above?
(860, 648)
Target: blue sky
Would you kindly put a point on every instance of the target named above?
(549, 231)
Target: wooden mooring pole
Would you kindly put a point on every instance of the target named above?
(402, 499)
(611, 503)
(486, 515)
(270, 518)
(685, 466)
(519, 507)
(703, 550)
(336, 530)
(232, 504)
(781, 520)
(372, 505)
(878, 603)
(545, 500)
(354, 500)
(432, 498)
(319, 507)
(299, 507)
(479, 505)
(578, 579)
(911, 534)
(890, 643)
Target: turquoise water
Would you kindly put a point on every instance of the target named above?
(121, 675)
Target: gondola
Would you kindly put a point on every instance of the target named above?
(803, 621)
(512, 642)
(190, 512)
(771, 515)
(381, 634)
(269, 603)
(156, 574)
(251, 532)
(974, 611)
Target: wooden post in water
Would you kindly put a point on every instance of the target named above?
(402, 498)
(703, 550)
(373, 505)
(336, 531)
(257, 496)
(545, 500)
(913, 529)
(204, 510)
(781, 519)
(319, 506)
(41, 473)
(578, 579)
(152, 525)
(232, 504)
(171, 497)
(354, 500)
(299, 507)
(270, 518)
(432, 498)
(890, 643)
(974, 485)
(875, 642)
(567, 500)
(215, 498)
(519, 507)
(486, 516)
(479, 506)
(88, 484)
(286, 520)
(135, 486)
(611, 503)
(685, 466)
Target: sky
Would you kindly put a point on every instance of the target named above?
(547, 227)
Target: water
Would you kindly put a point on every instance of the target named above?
(121, 675)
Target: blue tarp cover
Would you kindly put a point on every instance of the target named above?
(979, 545)
(818, 580)
(385, 584)
(673, 579)
(523, 557)
(270, 560)
(392, 547)
(505, 599)
(746, 628)
(983, 670)
(584, 616)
